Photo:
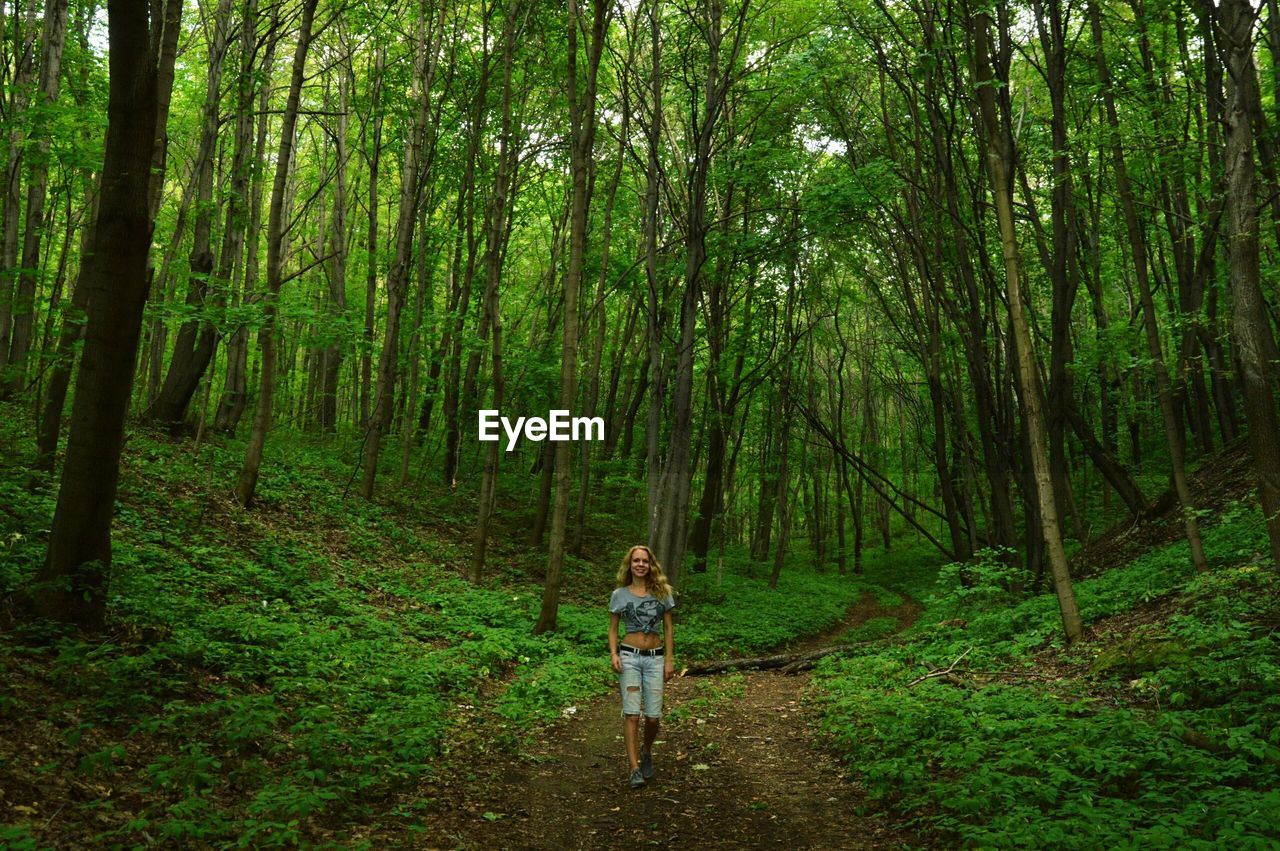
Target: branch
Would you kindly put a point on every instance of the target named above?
(941, 672)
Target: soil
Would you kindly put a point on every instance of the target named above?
(738, 763)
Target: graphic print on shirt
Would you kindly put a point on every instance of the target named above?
(647, 613)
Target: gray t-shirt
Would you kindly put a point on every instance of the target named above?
(639, 614)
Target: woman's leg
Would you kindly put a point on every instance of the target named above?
(630, 681)
(652, 685)
(650, 733)
(631, 734)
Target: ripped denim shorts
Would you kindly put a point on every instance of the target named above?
(641, 683)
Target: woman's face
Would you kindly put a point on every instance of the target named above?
(640, 564)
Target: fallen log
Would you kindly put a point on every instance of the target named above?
(790, 663)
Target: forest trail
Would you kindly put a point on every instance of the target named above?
(737, 766)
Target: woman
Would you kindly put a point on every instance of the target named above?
(642, 601)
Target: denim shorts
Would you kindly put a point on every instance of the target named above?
(643, 673)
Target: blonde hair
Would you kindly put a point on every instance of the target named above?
(656, 580)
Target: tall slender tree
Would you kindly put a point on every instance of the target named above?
(582, 132)
(247, 482)
(54, 34)
(996, 142)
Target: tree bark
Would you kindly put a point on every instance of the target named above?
(669, 509)
(1137, 240)
(582, 132)
(235, 392)
(73, 325)
(398, 274)
(72, 584)
(23, 49)
(337, 268)
(247, 481)
(373, 159)
(463, 275)
(997, 144)
(197, 337)
(55, 30)
(508, 156)
(1251, 329)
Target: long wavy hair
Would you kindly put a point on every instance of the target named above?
(656, 580)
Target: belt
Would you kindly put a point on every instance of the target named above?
(627, 648)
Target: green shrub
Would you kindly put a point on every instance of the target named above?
(1166, 738)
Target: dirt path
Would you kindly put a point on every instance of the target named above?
(736, 767)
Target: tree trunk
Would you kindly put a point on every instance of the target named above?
(194, 345)
(600, 310)
(508, 157)
(1251, 330)
(72, 584)
(73, 325)
(23, 50)
(424, 306)
(582, 120)
(398, 275)
(462, 279)
(768, 488)
(235, 392)
(55, 30)
(996, 144)
(248, 479)
(546, 478)
(669, 511)
(373, 160)
(1137, 241)
(783, 497)
(337, 270)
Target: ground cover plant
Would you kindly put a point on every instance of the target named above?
(283, 677)
(1157, 731)
(820, 285)
(257, 685)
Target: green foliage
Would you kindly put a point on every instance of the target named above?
(17, 838)
(742, 615)
(713, 692)
(1164, 736)
(986, 582)
(874, 628)
(269, 672)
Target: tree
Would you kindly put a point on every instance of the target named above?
(996, 142)
(669, 502)
(495, 250)
(72, 584)
(55, 30)
(1251, 330)
(582, 133)
(194, 346)
(247, 481)
(398, 274)
(1137, 241)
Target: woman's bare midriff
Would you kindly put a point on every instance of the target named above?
(642, 640)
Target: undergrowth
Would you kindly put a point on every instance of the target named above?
(742, 616)
(268, 676)
(1160, 730)
(287, 675)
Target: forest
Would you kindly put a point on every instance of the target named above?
(933, 348)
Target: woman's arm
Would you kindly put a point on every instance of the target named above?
(614, 659)
(668, 653)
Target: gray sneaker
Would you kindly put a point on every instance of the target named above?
(637, 779)
(646, 764)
